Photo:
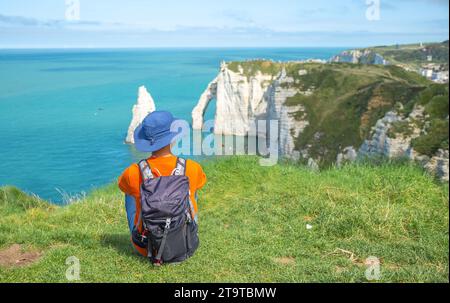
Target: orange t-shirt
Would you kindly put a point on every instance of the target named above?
(130, 181)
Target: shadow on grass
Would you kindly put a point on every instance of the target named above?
(122, 244)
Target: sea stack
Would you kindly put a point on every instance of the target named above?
(141, 109)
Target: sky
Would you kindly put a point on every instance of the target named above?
(230, 23)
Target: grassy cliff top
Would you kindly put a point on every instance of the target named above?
(252, 228)
(343, 101)
(346, 100)
(415, 55)
(251, 67)
(365, 72)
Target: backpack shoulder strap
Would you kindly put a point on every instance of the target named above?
(180, 168)
(145, 170)
(147, 175)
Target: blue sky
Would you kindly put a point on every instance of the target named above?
(230, 23)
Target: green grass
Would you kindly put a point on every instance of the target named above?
(414, 55)
(250, 218)
(251, 67)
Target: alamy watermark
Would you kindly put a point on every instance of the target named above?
(373, 11)
(72, 12)
(373, 271)
(262, 138)
(73, 271)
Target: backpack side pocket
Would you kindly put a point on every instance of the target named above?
(192, 240)
(175, 247)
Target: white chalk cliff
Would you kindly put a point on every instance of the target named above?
(380, 143)
(245, 97)
(141, 109)
(242, 100)
(239, 100)
(289, 127)
(360, 56)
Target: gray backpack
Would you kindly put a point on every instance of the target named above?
(169, 232)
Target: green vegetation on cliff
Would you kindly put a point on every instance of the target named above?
(251, 67)
(415, 55)
(252, 228)
(345, 101)
(435, 99)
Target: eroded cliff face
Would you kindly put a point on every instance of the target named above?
(144, 106)
(360, 57)
(243, 100)
(291, 120)
(239, 101)
(323, 110)
(395, 145)
(386, 141)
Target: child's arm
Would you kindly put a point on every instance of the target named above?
(130, 207)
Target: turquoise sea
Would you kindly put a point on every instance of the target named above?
(64, 113)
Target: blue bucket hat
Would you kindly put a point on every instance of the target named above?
(154, 132)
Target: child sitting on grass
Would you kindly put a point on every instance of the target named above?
(154, 136)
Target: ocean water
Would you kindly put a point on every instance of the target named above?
(64, 113)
